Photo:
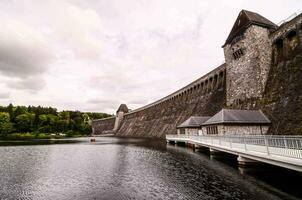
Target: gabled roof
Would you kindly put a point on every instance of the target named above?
(228, 116)
(194, 122)
(244, 20)
(123, 108)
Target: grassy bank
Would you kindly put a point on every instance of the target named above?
(31, 136)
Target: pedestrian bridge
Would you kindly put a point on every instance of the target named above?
(283, 151)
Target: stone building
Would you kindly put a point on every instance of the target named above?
(247, 53)
(192, 126)
(230, 122)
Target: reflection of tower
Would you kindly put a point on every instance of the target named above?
(247, 53)
(120, 115)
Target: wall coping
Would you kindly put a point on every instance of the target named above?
(192, 84)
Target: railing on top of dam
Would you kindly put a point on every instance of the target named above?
(278, 145)
(220, 70)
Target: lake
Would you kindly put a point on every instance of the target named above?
(120, 169)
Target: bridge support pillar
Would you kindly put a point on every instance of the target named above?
(200, 148)
(243, 162)
(190, 145)
(214, 152)
(178, 143)
(171, 142)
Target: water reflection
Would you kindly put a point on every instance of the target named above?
(117, 168)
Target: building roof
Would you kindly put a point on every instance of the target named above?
(244, 20)
(228, 116)
(194, 122)
(123, 108)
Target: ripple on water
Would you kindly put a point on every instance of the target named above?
(118, 170)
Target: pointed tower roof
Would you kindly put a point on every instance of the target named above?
(230, 116)
(123, 108)
(246, 19)
(194, 122)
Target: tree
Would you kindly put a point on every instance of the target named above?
(18, 111)
(10, 110)
(43, 120)
(24, 122)
(6, 126)
(52, 121)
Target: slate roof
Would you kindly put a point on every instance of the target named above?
(228, 116)
(194, 122)
(123, 108)
(244, 20)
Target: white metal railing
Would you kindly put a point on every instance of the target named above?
(287, 146)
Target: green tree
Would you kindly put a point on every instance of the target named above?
(43, 120)
(52, 121)
(6, 126)
(10, 110)
(19, 110)
(24, 122)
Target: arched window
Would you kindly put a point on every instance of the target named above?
(210, 84)
(215, 81)
(279, 47)
(291, 35)
(206, 86)
(292, 40)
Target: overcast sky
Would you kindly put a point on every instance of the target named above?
(93, 55)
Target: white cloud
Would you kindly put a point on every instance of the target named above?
(94, 55)
(23, 51)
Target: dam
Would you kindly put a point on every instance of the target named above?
(262, 71)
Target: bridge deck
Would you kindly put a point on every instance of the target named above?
(283, 151)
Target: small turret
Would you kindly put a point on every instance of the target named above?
(123, 108)
(120, 115)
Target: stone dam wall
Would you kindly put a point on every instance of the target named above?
(282, 100)
(282, 97)
(103, 125)
(205, 96)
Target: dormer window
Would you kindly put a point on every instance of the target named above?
(238, 53)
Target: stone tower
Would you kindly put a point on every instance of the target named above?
(120, 115)
(247, 52)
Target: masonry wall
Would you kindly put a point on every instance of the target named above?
(248, 59)
(102, 125)
(282, 100)
(205, 96)
(282, 97)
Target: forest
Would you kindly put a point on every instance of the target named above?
(44, 122)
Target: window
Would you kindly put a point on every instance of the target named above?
(292, 40)
(279, 46)
(211, 130)
(238, 53)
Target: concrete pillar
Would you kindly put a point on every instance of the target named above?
(171, 142)
(214, 151)
(242, 161)
(201, 148)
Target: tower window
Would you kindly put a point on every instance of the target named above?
(237, 54)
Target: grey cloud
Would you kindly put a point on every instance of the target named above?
(4, 95)
(103, 104)
(32, 84)
(23, 51)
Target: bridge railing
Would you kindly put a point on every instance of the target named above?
(288, 146)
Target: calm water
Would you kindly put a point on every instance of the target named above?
(113, 168)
